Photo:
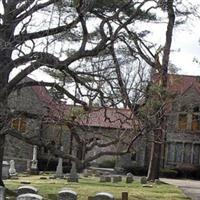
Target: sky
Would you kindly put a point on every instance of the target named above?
(185, 47)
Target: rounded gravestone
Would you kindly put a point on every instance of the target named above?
(27, 189)
(29, 196)
(67, 194)
(103, 196)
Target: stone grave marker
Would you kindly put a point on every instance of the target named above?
(29, 196)
(143, 180)
(34, 162)
(27, 189)
(105, 178)
(67, 194)
(59, 168)
(73, 176)
(2, 193)
(12, 170)
(129, 178)
(116, 179)
(103, 196)
(5, 170)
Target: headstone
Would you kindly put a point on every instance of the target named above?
(105, 178)
(26, 189)
(29, 196)
(34, 162)
(5, 170)
(59, 169)
(12, 170)
(73, 176)
(117, 179)
(143, 180)
(67, 194)
(103, 196)
(86, 173)
(129, 178)
(2, 193)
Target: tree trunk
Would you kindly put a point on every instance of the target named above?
(155, 159)
(2, 142)
(154, 164)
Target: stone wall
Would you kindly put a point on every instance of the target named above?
(15, 149)
(60, 135)
(183, 144)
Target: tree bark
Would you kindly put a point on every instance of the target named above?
(155, 159)
(2, 142)
(154, 164)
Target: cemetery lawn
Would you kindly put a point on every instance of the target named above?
(48, 188)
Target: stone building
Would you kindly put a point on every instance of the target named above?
(182, 138)
(183, 122)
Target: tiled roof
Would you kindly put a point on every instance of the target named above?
(180, 83)
(109, 117)
(97, 117)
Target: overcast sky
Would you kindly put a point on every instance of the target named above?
(185, 46)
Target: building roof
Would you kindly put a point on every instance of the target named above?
(178, 84)
(108, 117)
(96, 117)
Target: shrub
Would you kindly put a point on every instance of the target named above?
(107, 164)
(188, 171)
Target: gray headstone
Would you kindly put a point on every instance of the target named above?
(143, 180)
(105, 178)
(2, 193)
(73, 176)
(34, 162)
(12, 170)
(117, 179)
(103, 196)
(59, 168)
(67, 194)
(27, 189)
(5, 170)
(29, 196)
(129, 178)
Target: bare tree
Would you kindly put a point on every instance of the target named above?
(27, 42)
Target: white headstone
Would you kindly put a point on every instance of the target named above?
(12, 170)
(59, 169)
(67, 194)
(34, 162)
(29, 197)
(27, 189)
(103, 196)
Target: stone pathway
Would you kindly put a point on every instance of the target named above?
(190, 188)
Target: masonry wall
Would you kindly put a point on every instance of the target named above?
(15, 149)
(61, 135)
(183, 144)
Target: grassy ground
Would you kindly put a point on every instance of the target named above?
(90, 186)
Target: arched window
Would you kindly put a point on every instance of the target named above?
(19, 124)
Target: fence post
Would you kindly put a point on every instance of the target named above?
(124, 195)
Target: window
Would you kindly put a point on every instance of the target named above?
(19, 124)
(182, 121)
(195, 122)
